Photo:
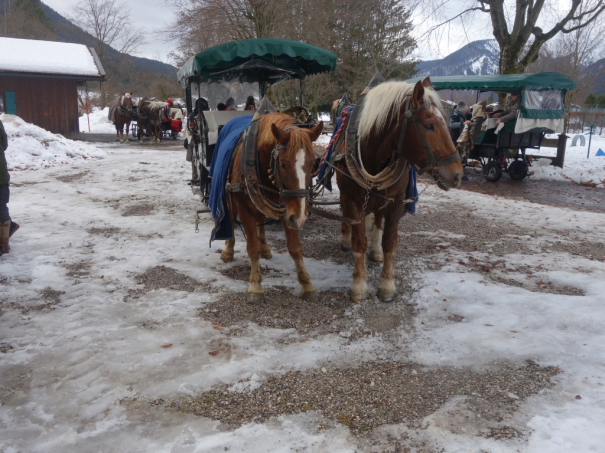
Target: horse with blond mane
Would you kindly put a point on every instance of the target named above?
(395, 126)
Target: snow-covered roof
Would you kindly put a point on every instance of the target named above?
(47, 57)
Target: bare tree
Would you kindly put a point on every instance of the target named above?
(570, 54)
(518, 26)
(108, 21)
(366, 35)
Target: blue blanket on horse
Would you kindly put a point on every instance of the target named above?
(326, 172)
(219, 168)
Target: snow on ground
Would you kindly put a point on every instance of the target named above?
(31, 147)
(99, 124)
(577, 168)
(83, 370)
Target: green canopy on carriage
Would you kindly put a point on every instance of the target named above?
(257, 60)
(505, 83)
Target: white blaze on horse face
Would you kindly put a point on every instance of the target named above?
(300, 173)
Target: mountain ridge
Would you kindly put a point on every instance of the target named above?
(67, 31)
(481, 58)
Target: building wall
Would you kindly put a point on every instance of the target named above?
(49, 103)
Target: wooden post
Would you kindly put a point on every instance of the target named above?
(301, 92)
(559, 161)
(87, 116)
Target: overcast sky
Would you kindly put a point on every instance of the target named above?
(150, 14)
(153, 14)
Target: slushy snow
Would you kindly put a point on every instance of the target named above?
(31, 147)
(99, 124)
(80, 376)
(578, 168)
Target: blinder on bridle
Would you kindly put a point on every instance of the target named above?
(432, 161)
(276, 179)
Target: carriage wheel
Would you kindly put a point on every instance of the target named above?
(493, 171)
(517, 170)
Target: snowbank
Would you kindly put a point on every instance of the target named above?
(31, 147)
(99, 124)
(577, 167)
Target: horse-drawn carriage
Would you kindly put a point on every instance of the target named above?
(238, 69)
(262, 166)
(503, 149)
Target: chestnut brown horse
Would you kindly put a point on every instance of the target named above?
(388, 110)
(122, 114)
(293, 160)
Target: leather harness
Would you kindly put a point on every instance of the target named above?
(250, 169)
(398, 164)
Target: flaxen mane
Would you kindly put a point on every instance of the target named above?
(383, 104)
(299, 139)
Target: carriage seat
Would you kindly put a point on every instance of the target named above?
(215, 121)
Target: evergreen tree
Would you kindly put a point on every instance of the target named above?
(601, 100)
(590, 100)
(34, 11)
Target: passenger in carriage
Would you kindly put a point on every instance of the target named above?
(221, 107)
(230, 104)
(201, 105)
(512, 112)
(250, 105)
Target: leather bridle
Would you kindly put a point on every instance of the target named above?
(274, 173)
(432, 161)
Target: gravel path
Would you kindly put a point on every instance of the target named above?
(374, 394)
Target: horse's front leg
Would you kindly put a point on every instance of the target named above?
(386, 287)
(345, 240)
(293, 242)
(359, 244)
(249, 220)
(127, 130)
(376, 253)
(265, 250)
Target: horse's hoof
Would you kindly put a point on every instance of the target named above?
(310, 296)
(376, 257)
(345, 246)
(358, 297)
(266, 254)
(227, 257)
(256, 298)
(385, 296)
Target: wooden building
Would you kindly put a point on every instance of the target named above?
(39, 81)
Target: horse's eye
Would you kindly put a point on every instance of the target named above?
(283, 166)
(430, 127)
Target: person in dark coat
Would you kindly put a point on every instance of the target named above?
(221, 107)
(460, 117)
(250, 105)
(201, 105)
(7, 226)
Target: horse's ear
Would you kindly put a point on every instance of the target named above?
(426, 83)
(282, 137)
(131, 93)
(418, 95)
(316, 131)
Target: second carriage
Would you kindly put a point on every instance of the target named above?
(504, 150)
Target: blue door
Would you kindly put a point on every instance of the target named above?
(11, 105)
